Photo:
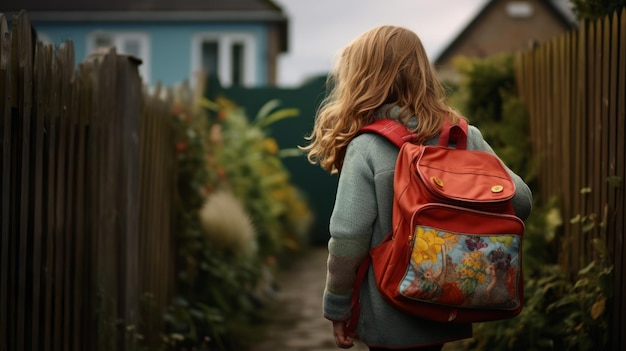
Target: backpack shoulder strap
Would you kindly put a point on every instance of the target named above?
(398, 134)
(390, 129)
(456, 133)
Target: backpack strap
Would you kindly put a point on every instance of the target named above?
(398, 134)
(454, 133)
(355, 302)
(390, 129)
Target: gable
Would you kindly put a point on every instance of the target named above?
(507, 26)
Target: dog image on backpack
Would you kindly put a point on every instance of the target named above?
(427, 226)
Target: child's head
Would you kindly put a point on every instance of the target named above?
(385, 65)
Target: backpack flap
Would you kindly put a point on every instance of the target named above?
(474, 177)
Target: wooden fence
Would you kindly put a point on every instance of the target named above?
(85, 255)
(575, 89)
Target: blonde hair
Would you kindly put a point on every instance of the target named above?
(385, 65)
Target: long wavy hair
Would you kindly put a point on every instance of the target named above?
(385, 65)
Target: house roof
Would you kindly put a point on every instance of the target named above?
(141, 5)
(148, 10)
(153, 10)
(561, 11)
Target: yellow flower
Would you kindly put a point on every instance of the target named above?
(451, 239)
(504, 239)
(427, 245)
(271, 145)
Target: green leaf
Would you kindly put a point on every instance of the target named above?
(587, 269)
(291, 152)
(277, 116)
(614, 181)
(206, 103)
(266, 109)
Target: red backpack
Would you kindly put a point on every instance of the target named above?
(454, 253)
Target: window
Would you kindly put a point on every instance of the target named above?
(230, 56)
(519, 9)
(126, 43)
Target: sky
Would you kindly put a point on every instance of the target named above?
(319, 29)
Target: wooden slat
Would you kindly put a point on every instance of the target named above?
(595, 171)
(603, 190)
(574, 251)
(620, 205)
(108, 269)
(60, 228)
(565, 65)
(5, 199)
(24, 46)
(127, 91)
(83, 97)
(51, 122)
(93, 212)
(71, 234)
(611, 139)
(40, 76)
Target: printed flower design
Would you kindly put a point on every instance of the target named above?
(427, 245)
(472, 271)
(505, 240)
(451, 239)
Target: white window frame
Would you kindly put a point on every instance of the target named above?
(118, 38)
(519, 9)
(225, 41)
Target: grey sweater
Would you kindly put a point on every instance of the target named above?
(360, 220)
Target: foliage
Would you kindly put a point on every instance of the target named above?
(252, 169)
(558, 314)
(594, 9)
(487, 95)
(221, 292)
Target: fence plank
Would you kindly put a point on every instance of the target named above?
(81, 110)
(595, 181)
(604, 159)
(25, 47)
(40, 76)
(128, 92)
(61, 226)
(564, 119)
(51, 123)
(5, 204)
(620, 171)
(94, 211)
(108, 269)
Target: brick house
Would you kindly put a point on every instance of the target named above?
(507, 26)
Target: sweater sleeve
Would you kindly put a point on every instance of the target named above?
(351, 226)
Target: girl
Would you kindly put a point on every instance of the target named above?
(383, 73)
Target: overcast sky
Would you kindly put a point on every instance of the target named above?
(319, 29)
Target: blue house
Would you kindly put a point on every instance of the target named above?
(238, 40)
